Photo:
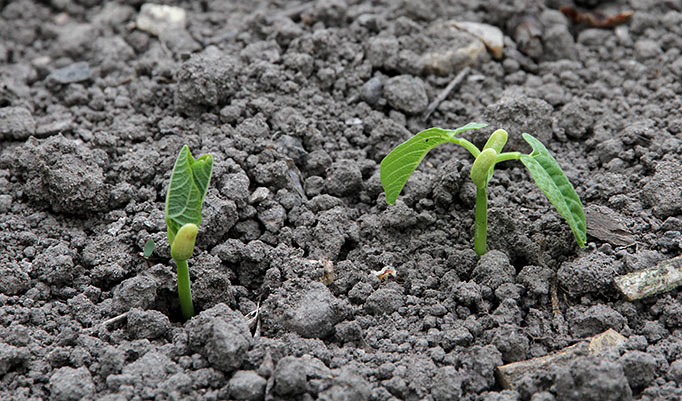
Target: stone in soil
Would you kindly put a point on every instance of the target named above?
(593, 378)
(493, 269)
(206, 80)
(591, 273)
(247, 385)
(16, 123)
(150, 324)
(62, 174)
(406, 93)
(313, 314)
(662, 191)
(69, 384)
(222, 336)
(72, 73)
(518, 113)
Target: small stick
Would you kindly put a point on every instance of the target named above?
(110, 322)
(510, 375)
(664, 277)
(295, 11)
(555, 298)
(253, 315)
(446, 92)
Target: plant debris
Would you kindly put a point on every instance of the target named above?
(664, 277)
(511, 374)
(595, 19)
(387, 271)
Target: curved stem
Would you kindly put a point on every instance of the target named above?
(481, 223)
(184, 291)
(467, 145)
(503, 157)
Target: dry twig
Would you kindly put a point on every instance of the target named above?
(446, 92)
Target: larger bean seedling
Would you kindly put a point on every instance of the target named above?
(398, 165)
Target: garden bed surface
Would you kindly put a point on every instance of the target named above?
(298, 102)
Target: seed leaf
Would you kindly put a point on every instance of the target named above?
(183, 244)
(187, 190)
(553, 182)
(398, 166)
(482, 169)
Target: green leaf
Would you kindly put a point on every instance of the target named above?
(148, 248)
(186, 190)
(467, 127)
(398, 166)
(553, 182)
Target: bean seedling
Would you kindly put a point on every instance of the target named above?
(186, 192)
(401, 162)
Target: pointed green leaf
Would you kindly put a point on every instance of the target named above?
(186, 190)
(553, 182)
(148, 248)
(398, 165)
(467, 127)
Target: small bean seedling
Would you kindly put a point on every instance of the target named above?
(186, 192)
(401, 162)
(148, 250)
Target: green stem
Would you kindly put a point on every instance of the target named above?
(481, 223)
(503, 157)
(467, 145)
(184, 291)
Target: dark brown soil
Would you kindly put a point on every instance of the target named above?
(299, 102)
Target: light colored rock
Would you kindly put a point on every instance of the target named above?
(451, 50)
(157, 18)
(444, 62)
(490, 35)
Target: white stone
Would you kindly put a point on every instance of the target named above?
(157, 18)
(490, 35)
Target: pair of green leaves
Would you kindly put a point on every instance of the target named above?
(186, 191)
(398, 166)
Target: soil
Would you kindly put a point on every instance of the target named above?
(298, 102)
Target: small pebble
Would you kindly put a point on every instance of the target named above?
(16, 123)
(157, 18)
(5, 203)
(406, 93)
(68, 384)
(75, 72)
(247, 385)
(370, 91)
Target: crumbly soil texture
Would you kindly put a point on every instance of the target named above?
(298, 102)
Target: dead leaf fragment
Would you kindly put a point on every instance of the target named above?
(595, 19)
(608, 226)
(387, 271)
